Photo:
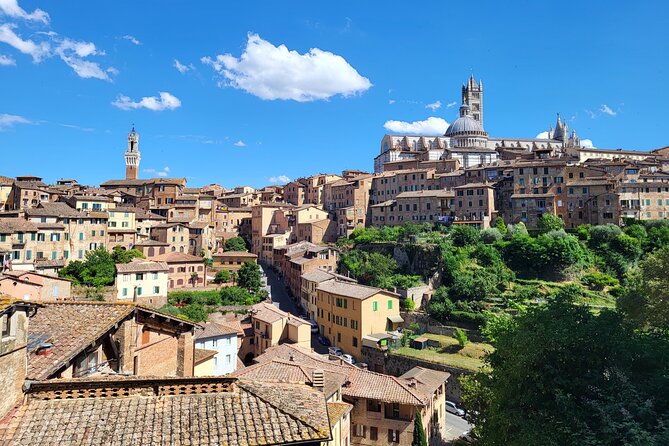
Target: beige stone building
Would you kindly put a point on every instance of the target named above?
(348, 311)
(184, 270)
(142, 281)
(309, 284)
(233, 260)
(33, 286)
(272, 326)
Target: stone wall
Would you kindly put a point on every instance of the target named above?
(392, 364)
(429, 325)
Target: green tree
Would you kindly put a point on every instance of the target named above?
(235, 295)
(550, 222)
(249, 277)
(500, 225)
(195, 312)
(647, 301)
(464, 235)
(99, 268)
(460, 336)
(73, 271)
(419, 437)
(222, 276)
(235, 244)
(561, 375)
(370, 269)
(120, 255)
(491, 235)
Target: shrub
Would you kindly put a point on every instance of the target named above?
(598, 281)
(477, 319)
(461, 337)
(222, 276)
(464, 235)
(407, 304)
(491, 235)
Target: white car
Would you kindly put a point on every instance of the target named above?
(348, 358)
(336, 351)
(452, 408)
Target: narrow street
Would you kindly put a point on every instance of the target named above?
(286, 303)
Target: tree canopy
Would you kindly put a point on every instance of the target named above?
(562, 375)
(249, 276)
(235, 244)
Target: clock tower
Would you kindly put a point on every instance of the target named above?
(132, 156)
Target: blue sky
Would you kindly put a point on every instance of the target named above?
(73, 76)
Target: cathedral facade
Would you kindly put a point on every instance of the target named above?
(467, 144)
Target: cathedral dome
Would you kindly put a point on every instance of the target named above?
(465, 125)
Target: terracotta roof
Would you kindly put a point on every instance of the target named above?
(425, 381)
(58, 209)
(73, 326)
(320, 275)
(214, 330)
(202, 411)
(201, 354)
(141, 266)
(12, 225)
(236, 254)
(151, 243)
(336, 410)
(360, 383)
(353, 290)
(426, 193)
(293, 371)
(270, 313)
(176, 257)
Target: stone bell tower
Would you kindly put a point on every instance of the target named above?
(132, 156)
(472, 95)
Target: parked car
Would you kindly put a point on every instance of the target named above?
(314, 326)
(348, 358)
(336, 351)
(323, 341)
(452, 408)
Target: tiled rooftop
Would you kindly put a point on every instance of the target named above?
(348, 289)
(141, 266)
(214, 330)
(194, 411)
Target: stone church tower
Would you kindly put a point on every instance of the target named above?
(132, 156)
(472, 95)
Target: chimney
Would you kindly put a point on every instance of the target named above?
(412, 383)
(317, 379)
(291, 358)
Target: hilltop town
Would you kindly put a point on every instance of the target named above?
(340, 308)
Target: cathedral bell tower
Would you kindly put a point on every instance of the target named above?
(132, 156)
(472, 95)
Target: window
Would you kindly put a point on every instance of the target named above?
(29, 254)
(393, 435)
(81, 236)
(373, 406)
(227, 359)
(359, 430)
(125, 291)
(375, 306)
(390, 304)
(156, 290)
(6, 325)
(41, 237)
(373, 433)
(139, 290)
(139, 276)
(338, 337)
(355, 341)
(86, 363)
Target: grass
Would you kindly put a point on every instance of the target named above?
(450, 353)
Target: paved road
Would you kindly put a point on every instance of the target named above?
(286, 303)
(455, 426)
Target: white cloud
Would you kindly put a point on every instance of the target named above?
(281, 179)
(132, 39)
(587, 143)
(181, 68)
(9, 121)
(72, 52)
(6, 60)
(77, 127)
(160, 173)
(166, 101)
(36, 50)
(434, 106)
(274, 72)
(240, 143)
(606, 109)
(391, 101)
(430, 126)
(12, 9)
(542, 135)
(451, 104)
